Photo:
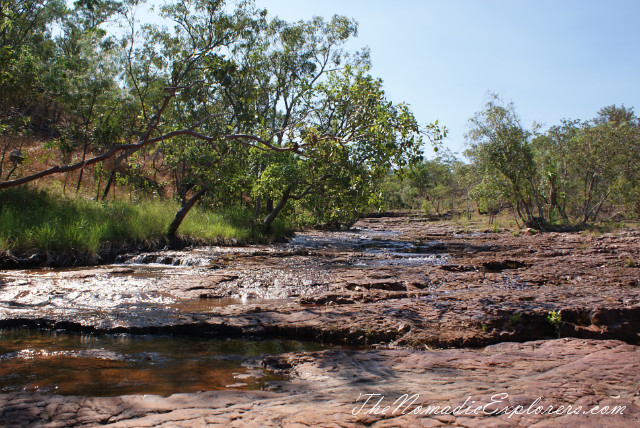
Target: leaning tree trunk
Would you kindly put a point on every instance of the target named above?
(276, 210)
(283, 201)
(183, 211)
(84, 158)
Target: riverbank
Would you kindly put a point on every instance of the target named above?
(394, 282)
(43, 229)
(552, 315)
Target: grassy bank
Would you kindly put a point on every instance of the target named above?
(34, 220)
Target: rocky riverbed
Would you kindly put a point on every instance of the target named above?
(443, 311)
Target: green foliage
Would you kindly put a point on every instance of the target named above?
(232, 108)
(555, 319)
(570, 172)
(423, 183)
(515, 318)
(427, 207)
(489, 194)
(37, 220)
(501, 148)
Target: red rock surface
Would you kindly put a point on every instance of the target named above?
(401, 285)
(400, 282)
(326, 387)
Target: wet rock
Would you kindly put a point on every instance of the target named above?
(458, 268)
(500, 265)
(330, 388)
(277, 363)
(325, 299)
(377, 284)
(121, 271)
(367, 279)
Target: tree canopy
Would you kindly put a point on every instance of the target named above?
(229, 106)
(227, 102)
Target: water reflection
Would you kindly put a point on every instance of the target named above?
(111, 365)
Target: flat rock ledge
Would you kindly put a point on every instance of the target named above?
(418, 284)
(330, 388)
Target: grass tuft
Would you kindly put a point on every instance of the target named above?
(37, 220)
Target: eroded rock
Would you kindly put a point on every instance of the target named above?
(473, 289)
(329, 388)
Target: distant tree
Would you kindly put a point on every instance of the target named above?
(552, 151)
(570, 172)
(604, 152)
(500, 146)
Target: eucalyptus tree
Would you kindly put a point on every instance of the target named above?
(350, 139)
(553, 157)
(313, 123)
(26, 46)
(603, 160)
(228, 93)
(501, 146)
(288, 66)
(234, 79)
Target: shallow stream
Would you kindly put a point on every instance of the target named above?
(110, 365)
(161, 288)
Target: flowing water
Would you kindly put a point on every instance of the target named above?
(159, 289)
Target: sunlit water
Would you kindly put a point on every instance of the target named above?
(150, 289)
(111, 365)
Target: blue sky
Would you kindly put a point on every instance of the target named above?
(553, 59)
